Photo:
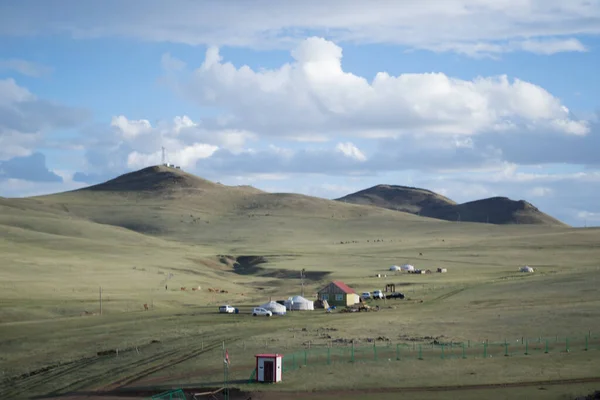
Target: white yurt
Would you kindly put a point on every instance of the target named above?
(526, 268)
(299, 303)
(407, 267)
(395, 268)
(275, 308)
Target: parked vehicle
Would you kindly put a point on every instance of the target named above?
(395, 295)
(377, 294)
(261, 311)
(227, 309)
(366, 295)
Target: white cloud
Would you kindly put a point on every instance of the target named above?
(494, 49)
(25, 119)
(589, 216)
(185, 157)
(170, 63)
(24, 67)
(315, 97)
(26, 188)
(350, 150)
(137, 144)
(552, 46)
(131, 128)
(540, 191)
(451, 24)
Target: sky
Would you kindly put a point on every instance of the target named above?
(470, 99)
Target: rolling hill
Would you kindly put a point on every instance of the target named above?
(169, 202)
(494, 210)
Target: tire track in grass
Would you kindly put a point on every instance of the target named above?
(18, 386)
(170, 363)
(447, 295)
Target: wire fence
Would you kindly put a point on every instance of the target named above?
(421, 351)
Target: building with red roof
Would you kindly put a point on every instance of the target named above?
(337, 293)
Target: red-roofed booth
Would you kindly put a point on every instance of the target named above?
(268, 367)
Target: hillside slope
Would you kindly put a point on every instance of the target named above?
(172, 203)
(494, 210)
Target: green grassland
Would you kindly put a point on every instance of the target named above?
(56, 251)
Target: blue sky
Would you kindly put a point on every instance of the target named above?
(469, 98)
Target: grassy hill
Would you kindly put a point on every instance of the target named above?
(144, 235)
(173, 204)
(494, 210)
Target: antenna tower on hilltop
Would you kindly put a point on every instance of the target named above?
(163, 156)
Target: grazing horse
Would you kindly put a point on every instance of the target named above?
(182, 288)
(146, 307)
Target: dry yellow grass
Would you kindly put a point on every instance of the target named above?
(56, 251)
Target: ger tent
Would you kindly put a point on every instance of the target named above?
(274, 307)
(299, 303)
(395, 268)
(526, 268)
(407, 267)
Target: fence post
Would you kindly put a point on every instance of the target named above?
(398, 351)
(328, 355)
(546, 347)
(463, 351)
(442, 351)
(420, 353)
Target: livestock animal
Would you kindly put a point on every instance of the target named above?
(182, 288)
(146, 307)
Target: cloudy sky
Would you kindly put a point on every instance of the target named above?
(467, 98)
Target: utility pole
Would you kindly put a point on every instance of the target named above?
(163, 155)
(100, 292)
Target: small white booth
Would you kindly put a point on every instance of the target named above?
(268, 367)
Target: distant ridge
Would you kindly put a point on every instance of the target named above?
(494, 210)
(160, 190)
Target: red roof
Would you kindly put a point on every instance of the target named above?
(269, 355)
(345, 288)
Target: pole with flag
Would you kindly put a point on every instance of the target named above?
(225, 371)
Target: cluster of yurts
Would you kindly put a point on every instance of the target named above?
(296, 303)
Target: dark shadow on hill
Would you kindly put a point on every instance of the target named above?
(250, 265)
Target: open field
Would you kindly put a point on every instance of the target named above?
(56, 251)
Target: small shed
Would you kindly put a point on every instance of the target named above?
(268, 368)
(321, 304)
(337, 293)
(526, 268)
